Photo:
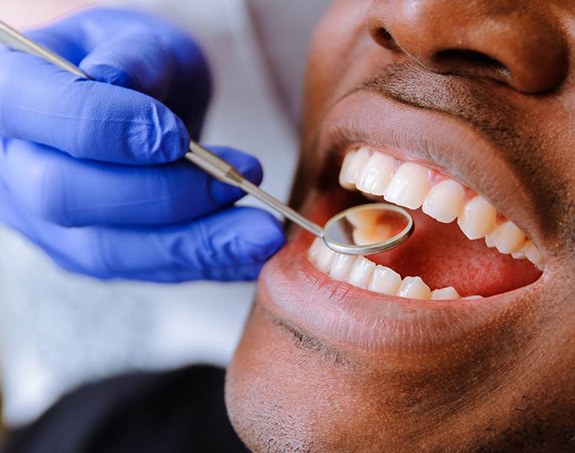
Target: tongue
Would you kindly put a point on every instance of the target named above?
(442, 256)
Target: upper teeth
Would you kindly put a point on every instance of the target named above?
(414, 186)
(445, 201)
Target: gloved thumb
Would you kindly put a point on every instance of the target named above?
(236, 243)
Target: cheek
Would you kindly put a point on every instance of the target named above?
(331, 47)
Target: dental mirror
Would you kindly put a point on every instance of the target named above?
(368, 229)
(361, 230)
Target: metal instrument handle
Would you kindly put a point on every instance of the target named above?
(227, 173)
(15, 40)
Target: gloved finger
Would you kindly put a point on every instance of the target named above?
(137, 51)
(43, 104)
(138, 58)
(227, 246)
(72, 192)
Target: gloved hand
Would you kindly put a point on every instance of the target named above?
(90, 171)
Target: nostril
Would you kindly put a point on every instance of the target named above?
(465, 61)
(385, 38)
(384, 35)
(470, 57)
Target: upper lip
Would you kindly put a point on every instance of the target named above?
(435, 140)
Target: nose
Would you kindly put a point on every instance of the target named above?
(495, 39)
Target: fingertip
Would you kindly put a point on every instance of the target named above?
(160, 138)
(248, 165)
(223, 194)
(134, 129)
(182, 138)
(239, 241)
(261, 235)
(252, 170)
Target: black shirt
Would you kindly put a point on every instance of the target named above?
(181, 411)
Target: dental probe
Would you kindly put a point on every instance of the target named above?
(339, 233)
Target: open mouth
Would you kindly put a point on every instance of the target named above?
(423, 292)
(462, 248)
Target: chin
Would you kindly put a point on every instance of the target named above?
(486, 385)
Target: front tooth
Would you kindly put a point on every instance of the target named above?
(385, 281)
(376, 174)
(325, 258)
(315, 250)
(507, 238)
(519, 255)
(346, 179)
(353, 164)
(361, 272)
(489, 241)
(477, 218)
(533, 254)
(409, 186)
(341, 267)
(445, 201)
(449, 293)
(414, 288)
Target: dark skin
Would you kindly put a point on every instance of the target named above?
(498, 75)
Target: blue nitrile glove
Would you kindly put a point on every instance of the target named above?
(91, 172)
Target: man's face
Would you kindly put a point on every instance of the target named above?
(466, 107)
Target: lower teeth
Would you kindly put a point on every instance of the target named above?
(364, 274)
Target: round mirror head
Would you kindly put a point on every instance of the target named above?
(368, 229)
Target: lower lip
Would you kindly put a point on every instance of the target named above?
(292, 290)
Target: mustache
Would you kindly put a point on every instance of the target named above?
(470, 100)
